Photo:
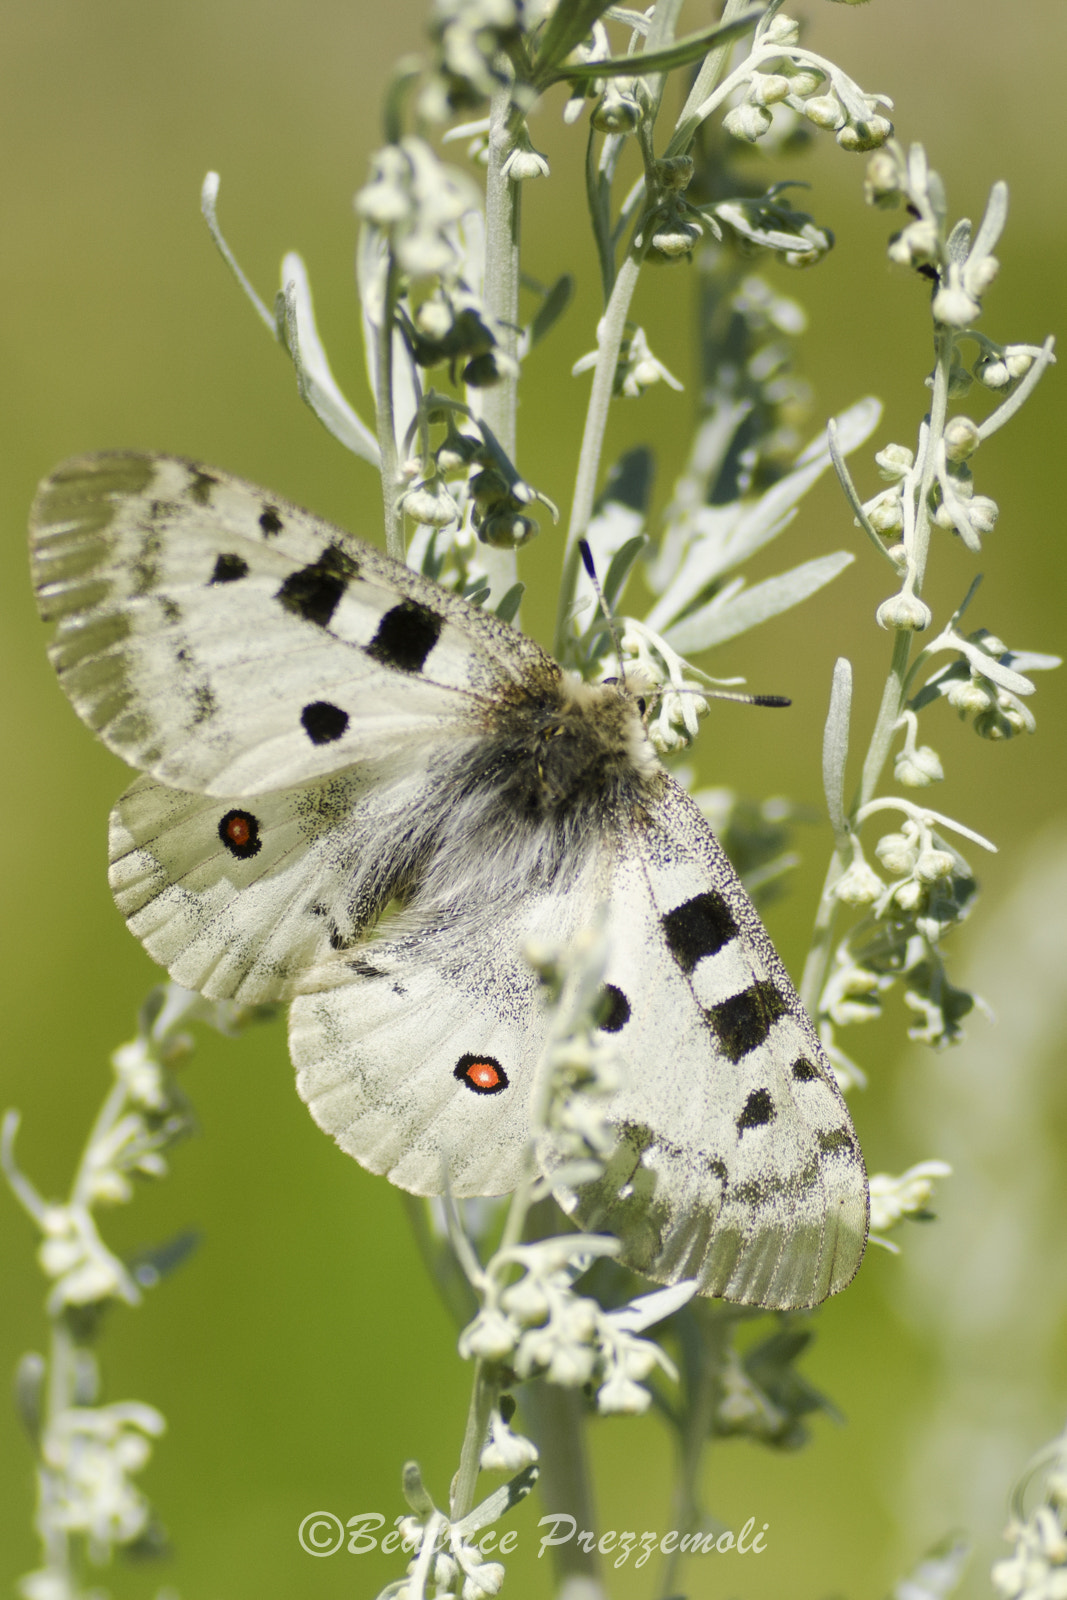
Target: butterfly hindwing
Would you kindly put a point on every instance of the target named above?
(736, 1162)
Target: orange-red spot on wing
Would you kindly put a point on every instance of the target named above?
(238, 830)
(483, 1074)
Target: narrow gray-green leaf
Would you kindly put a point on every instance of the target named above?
(835, 747)
(551, 308)
(727, 616)
(317, 385)
(508, 608)
(497, 1504)
(693, 47)
(621, 563)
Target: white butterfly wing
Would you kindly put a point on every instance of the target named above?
(232, 644)
(239, 901)
(421, 1053)
(736, 1162)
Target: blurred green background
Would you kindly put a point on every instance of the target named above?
(299, 1357)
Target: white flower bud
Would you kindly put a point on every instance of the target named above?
(619, 1396)
(571, 1365)
(894, 462)
(961, 438)
(909, 894)
(881, 184)
(932, 865)
(748, 122)
(430, 503)
(859, 885)
(966, 696)
(916, 769)
(992, 372)
(485, 1579)
(978, 275)
(804, 81)
(783, 30)
(825, 111)
(1018, 362)
(522, 164)
(491, 1335)
(897, 852)
(869, 134)
(982, 513)
(767, 88)
(953, 307)
(915, 246)
(885, 512)
(904, 610)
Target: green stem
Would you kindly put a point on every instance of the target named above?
(484, 1396)
(703, 84)
(697, 1419)
(498, 405)
(893, 696)
(386, 422)
(609, 343)
(555, 1420)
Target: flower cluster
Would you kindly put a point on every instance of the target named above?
(907, 1195)
(536, 1326)
(1037, 1567)
(780, 73)
(88, 1452)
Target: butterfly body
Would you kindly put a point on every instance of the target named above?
(325, 735)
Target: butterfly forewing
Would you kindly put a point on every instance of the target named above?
(230, 643)
(364, 793)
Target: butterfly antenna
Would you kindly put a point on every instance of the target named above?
(616, 639)
(746, 699)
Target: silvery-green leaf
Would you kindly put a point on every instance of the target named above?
(494, 1506)
(734, 612)
(648, 1309)
(316, 382)
(726, 536)
(835, 745)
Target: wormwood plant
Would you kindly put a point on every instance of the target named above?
(554, 1328)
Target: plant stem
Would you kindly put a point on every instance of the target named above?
(498, 405)
(386, 423)
(483, 1398)
(555, 1420)
(610, 333)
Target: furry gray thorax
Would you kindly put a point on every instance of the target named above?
(519, 807)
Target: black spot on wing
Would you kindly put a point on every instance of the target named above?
(270, 522)
(239, 832)
(804, 1072)
(615, 1009)
(228, 569)
(200, 487)
(314, 592)
(698, 928)
(757, 1111)
(837, 1141)
(323, 722)
(405, 636)
(366, 969)
(205, 705)
(743, 1022)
